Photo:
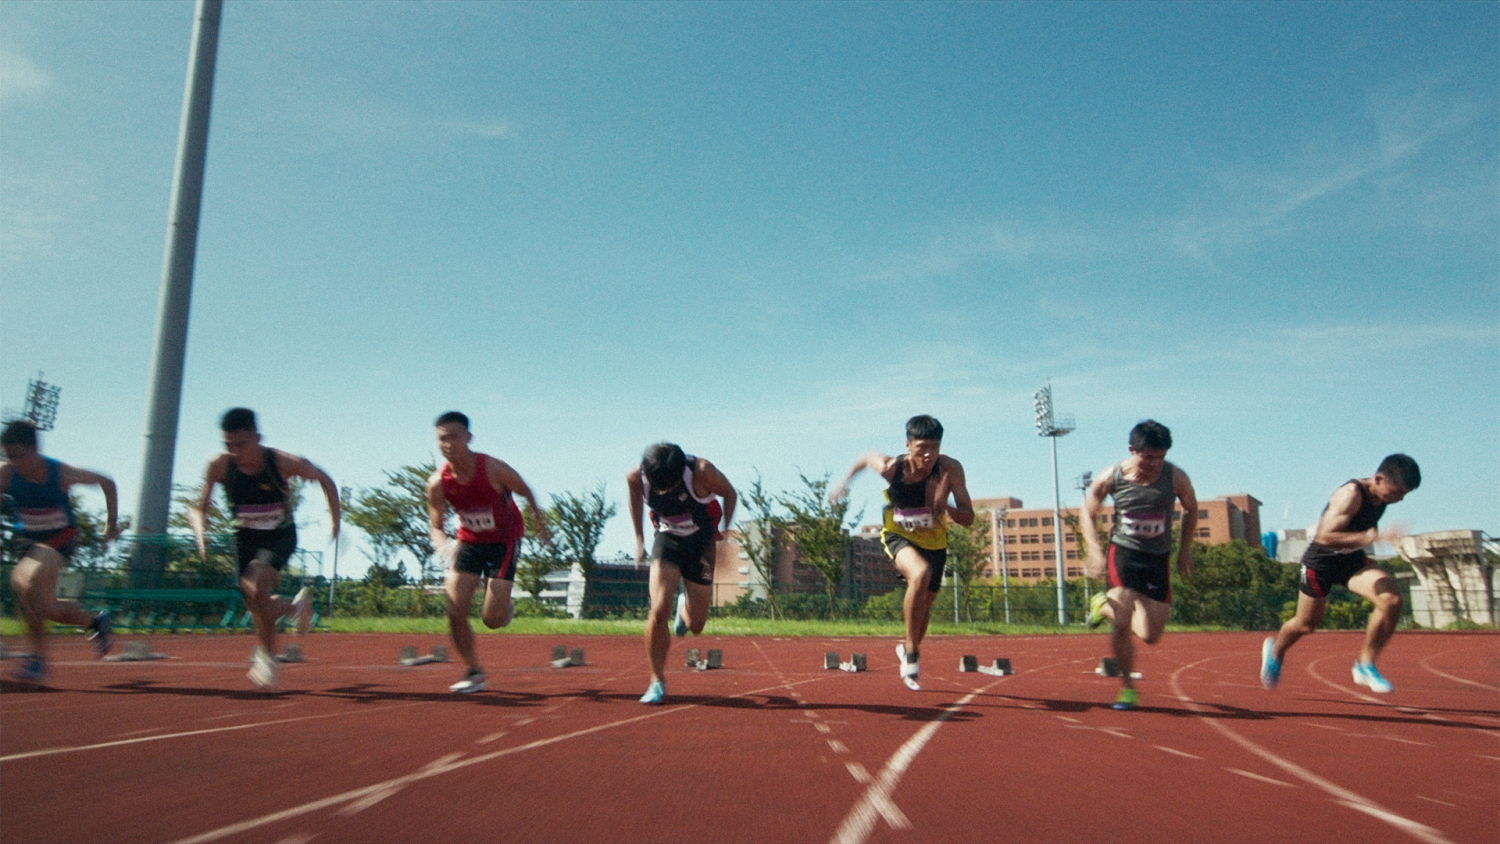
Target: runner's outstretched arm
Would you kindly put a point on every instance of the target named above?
(715, 483)
(1189, 498)
(293, 466)
(874, 461)
(505, 479)
(197, 514)
(1093, 503)
(637, 493)
(72, 475)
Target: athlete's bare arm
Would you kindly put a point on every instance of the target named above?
(874, 461)
(72, 475)
(505, 479)
(197, 517)
(637, 493)
(5, 473)
(1333, 525)
(291, 465)
(437, 512)
(1093, 504)
(710, 481)
(951, 480)
(1189, 498)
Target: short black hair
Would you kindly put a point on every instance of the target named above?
(1150, 434)
(662, 464)
(451, 417)
(237, 419)
(1401, 469)
(19, 432)
(924, 427)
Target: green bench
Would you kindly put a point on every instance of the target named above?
(166, 610)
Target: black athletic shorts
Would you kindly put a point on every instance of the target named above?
(494, 560)
(937, 558)
(273, 547)
(1322, 572)
(63, 540)
(1141, 571)
(692, 555)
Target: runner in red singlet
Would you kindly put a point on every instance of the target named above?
(478, 488)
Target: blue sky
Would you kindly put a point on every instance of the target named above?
(773, 232)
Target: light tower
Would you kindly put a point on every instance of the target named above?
(1085, 481)
(1053, 427)
(40, 408)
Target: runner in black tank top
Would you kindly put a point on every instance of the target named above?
(1336, 557)
(265, 535)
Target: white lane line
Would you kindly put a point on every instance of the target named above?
(1259, 778)
(140, 732)
(299, 838)
(822, 727)
(433, 769)
(1435, 800)
(1491, 758)
(396, 785)
(1447, 676)
(1115, 732)
(859, 773)
(1311, 669)
(1175, 752)
(1343, 795)
(53, 751)
(837, 746)
(876, 802)
(491, 737)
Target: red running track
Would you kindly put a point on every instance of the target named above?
(772, 748)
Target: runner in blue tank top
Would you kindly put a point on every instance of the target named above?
(46, 534)
(1336, 557)
(1146, 489)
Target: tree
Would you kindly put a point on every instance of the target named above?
(538, 559)
(577, 524)
(968, 553)
(760, 535)
(819, 530)
(394, 518)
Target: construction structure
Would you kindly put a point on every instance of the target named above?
(1456, 577)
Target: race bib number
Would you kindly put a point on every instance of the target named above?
(679, 525)
(43, 518)
(914, 519)
(1143, 524)
(260, 516)
(478, 521)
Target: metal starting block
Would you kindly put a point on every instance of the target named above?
(1110, 667)
(999, 668)
(564, 658)
(136, 652)
(409, 656)
(696, 659)
(855, 664)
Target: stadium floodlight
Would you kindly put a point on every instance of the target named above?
(1053, 427)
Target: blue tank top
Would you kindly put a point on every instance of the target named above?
(41, 507)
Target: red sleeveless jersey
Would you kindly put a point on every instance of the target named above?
(486, 516)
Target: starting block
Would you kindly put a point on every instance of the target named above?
(136, 652)
(409, 655)
(1110, 667)
(6, 653)
(855, 664)
(564, 658)
(713, 659)
(999, 668)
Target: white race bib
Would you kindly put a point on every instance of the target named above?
(1143, 524)
(679, 525)
(43, 518)
(259, 516)
(478, 521)
(916, 518)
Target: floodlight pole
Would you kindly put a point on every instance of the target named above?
(1051, 428)
(177, 275)
(997, 516)
(1085, 480)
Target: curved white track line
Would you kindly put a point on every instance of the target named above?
(1446, 676)
(1340, 794)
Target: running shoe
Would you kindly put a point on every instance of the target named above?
(1365, 674)
(655, 694)
(1096, 609)
(680, 629)
(102, 632)
(32, 670)
(1128, 699)
(472, 681)
(909, 670)
(262, 669)
(1270, 666)
(302, 609)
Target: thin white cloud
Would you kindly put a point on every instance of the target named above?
(20, 76)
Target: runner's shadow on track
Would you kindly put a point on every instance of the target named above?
(14, 687)
(362, 694)
(1057, 705)
(786, 704)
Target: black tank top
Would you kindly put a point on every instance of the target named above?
(259, 500)
(679, 511)
(1366, 517)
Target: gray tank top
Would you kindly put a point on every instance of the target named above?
(1143, 512)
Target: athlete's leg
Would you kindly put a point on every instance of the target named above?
(459, 587)
(1379, 588)
(664, 580)
(1150, 619)
(258, 581)
(699, 595)
(1307, 618)
(498, 607)
(917, 607)
(1121, 609)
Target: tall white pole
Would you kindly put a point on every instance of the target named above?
(1062, 593)
(177, 278)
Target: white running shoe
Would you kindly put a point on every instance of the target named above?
(302, 610)
(1365, 674)
(262, 669)
(473, 681)
(908, 669)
